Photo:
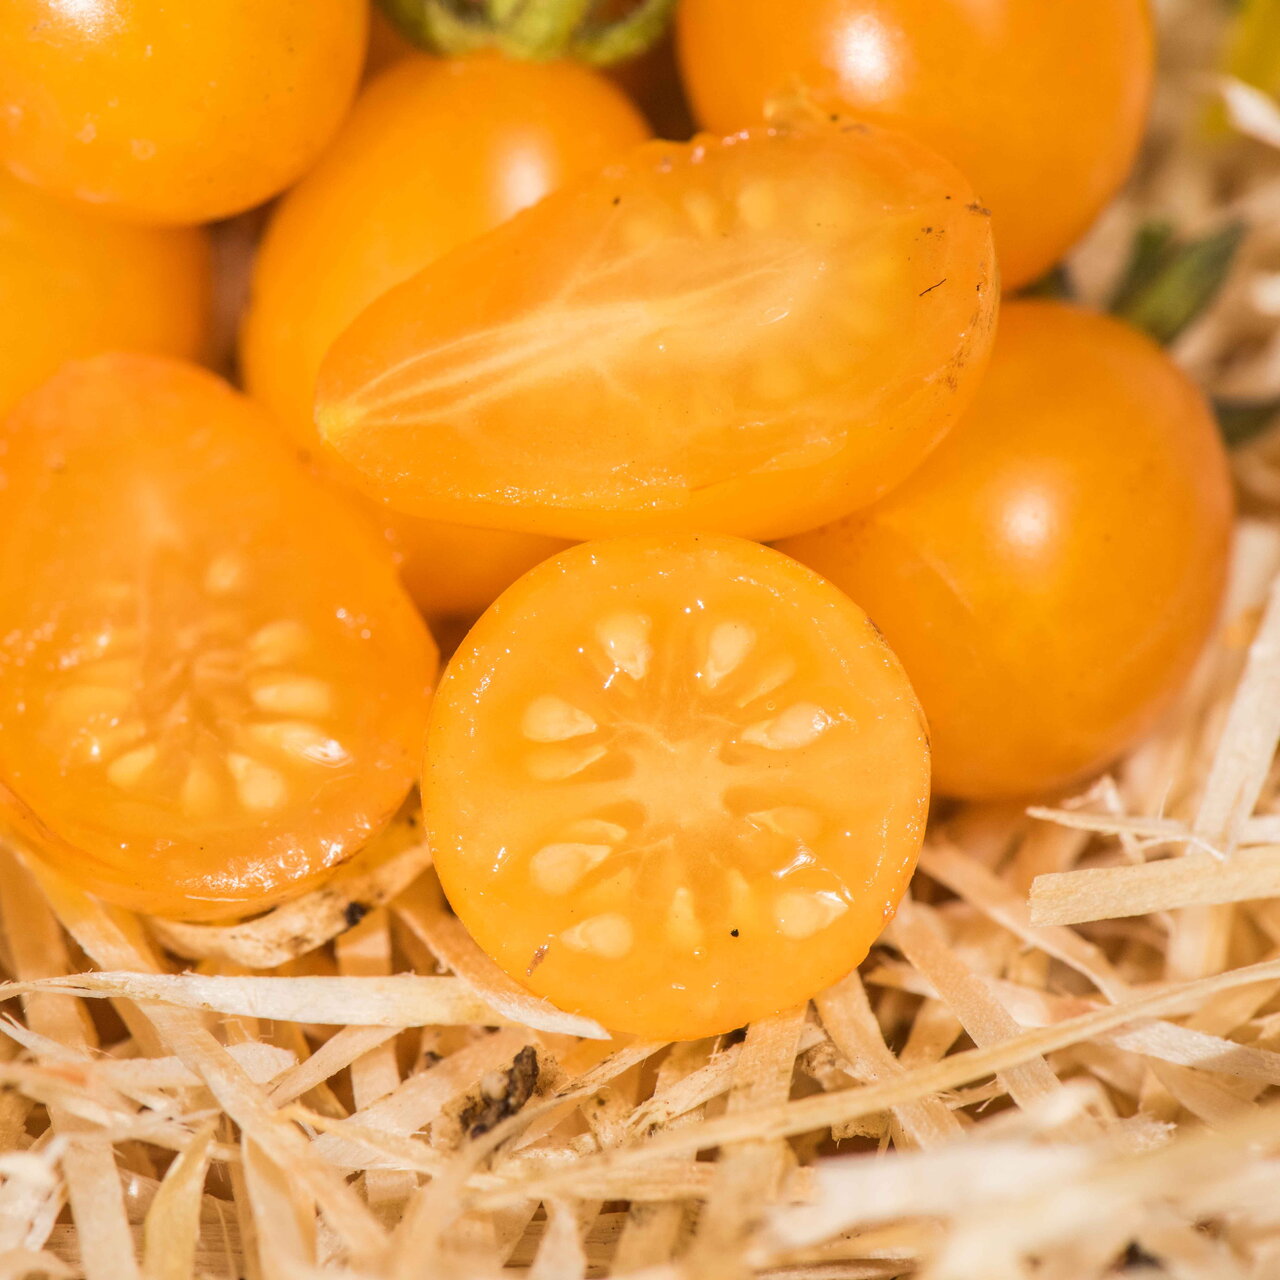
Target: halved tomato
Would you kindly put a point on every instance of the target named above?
(749, 335)
(212, 685)
(675, 783)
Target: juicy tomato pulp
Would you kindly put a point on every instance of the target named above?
(211, 683)
(434, 153)
(72, 285)
(174, 113)
(675, 783)
(1042, 105)
(705, 336)
(1050, 575)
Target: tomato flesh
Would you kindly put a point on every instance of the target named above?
(1051, 574)
(705, 336)
(675, 783)
(212, 683)
(1042, 105)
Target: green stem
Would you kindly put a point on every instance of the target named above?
(542, 28)
(535, 29)
(604, 44)
(438, 25)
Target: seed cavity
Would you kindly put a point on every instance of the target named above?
(625, 638)
(557, 868)
(126, 771)
(298, 738)
(104, 744)
(739, 895)
(792, 821)
(683, 927)
(641, 231)
(258, 787)
(728, 647)
(555, 764)
(82, 703)
(596, 830)
(800, 915)
(609, 936)
(279, 642)
(201, 793)
(799, 725)
(704, 212)
(225, 574)
(552, 719)
(294, 696)
(758, 205)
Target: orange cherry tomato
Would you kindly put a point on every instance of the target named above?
(1042, 104)
(212, 686)
(675, 783)
(434, 153)
(73, 285)
(1050, 575)
(174, 113)
(750, 336)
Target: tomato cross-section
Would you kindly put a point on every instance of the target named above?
(675, 783)
(212, 685)
(748, 336)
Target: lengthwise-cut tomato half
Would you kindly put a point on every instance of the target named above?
(749, 335)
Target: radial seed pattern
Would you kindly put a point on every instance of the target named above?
(693, 778)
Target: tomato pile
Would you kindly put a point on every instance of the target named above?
(511, 370)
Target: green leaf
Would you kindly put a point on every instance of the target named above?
(1169, 283)
(1243, 420)
(1055, 283)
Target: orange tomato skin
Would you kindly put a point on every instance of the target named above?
(212, 686)
(1051, 574)
(434, 153)
(174, 113)
(1042, 105)
(675, 783)
(703, 336)
(72, 285)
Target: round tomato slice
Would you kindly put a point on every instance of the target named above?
(676, 783)
(212, 684)
(745, 335)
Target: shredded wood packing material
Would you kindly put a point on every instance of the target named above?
(1062, 1061)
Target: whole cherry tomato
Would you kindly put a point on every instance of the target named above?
(751, 336)
(1041, 102)
(434, 153)
(675, 783)
(72, 284)
(1051, 573)
(212, 685)
(167, 112)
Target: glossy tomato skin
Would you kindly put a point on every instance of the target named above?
(434, 153)
(212, 685)
(174, 113)
(675, 783)
(1051, 574)
(1042, 105)
(72, 285)
(703, 336)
